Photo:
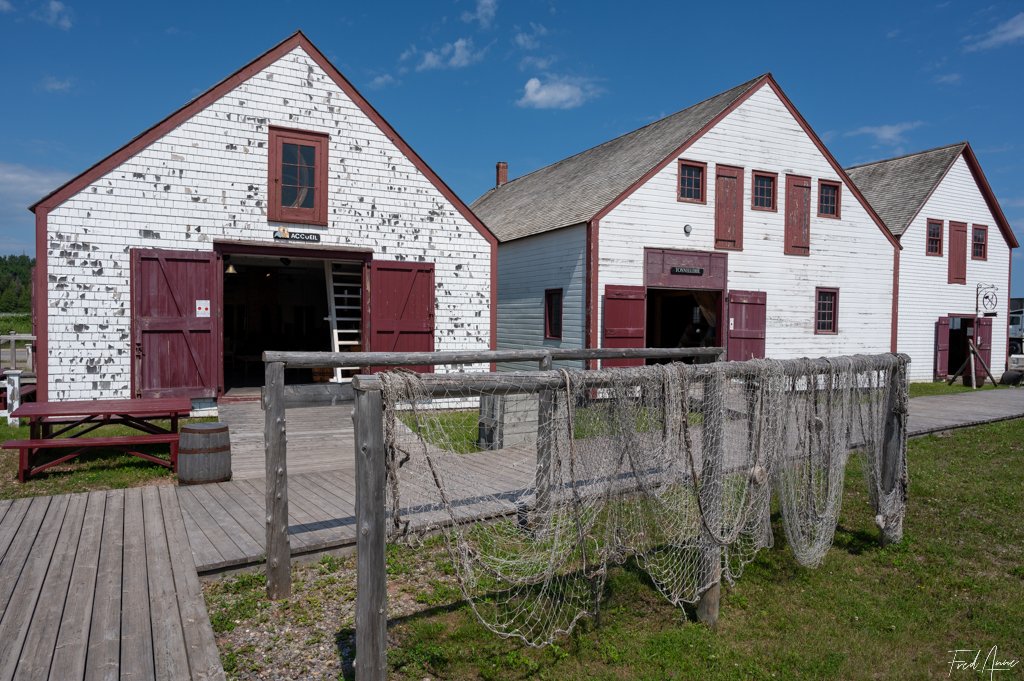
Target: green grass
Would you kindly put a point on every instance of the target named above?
(455, 429)
(15, 323)
(956, 581)
(940, 388)
(99, 469)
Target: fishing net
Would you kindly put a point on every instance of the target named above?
(540, 481)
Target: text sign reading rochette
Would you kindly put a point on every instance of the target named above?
(688, 270)
(287, 235)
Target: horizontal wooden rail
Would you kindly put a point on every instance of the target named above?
(311, 360)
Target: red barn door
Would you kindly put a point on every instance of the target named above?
(400, 312)
(747, 322)
(983, 341)
(176, 298)
(625, 321)
(942, 349)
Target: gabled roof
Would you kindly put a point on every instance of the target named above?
(899, 187)
(575, 189)
(297, 39)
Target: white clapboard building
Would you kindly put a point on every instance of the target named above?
(728, 223)
(279, 211)
(954, 269)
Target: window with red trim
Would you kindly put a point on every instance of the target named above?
(764, 192)
(826, 310)
(297, 177)
(933, 246)
(828, 199)
(979, 243)
(553, 313)
(693, 178)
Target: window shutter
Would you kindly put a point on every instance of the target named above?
(957, 267)
(798, 215)
(729, 208)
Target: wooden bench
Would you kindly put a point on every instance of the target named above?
(32, 449)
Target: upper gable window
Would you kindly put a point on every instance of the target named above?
(297, 177)
(979, 243)
(933, 245)
(828, 199)
(764, 192)
(692, 181)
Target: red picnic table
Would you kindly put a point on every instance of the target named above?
(61, 429)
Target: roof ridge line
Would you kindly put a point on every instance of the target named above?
(911, 154)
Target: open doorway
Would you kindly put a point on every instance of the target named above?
(271, 303)
(683, 319)
(961, 331)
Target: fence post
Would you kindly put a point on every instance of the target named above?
(371, 576)
(894, 445)
(711, 495)
(13, 377)
(279, 554)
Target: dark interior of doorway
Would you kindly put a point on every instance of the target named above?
(271, 303)
(961, 330)
(682, 319)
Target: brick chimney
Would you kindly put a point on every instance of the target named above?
(501, 172)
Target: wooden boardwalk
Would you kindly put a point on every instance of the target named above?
(944, 412)
(101, 586)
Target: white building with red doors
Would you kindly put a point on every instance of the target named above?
(276, 211)
(728, 223)
(954, 269)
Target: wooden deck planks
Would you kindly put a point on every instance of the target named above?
(103, 658)
(11, 523)
(69, 651)
(14, 560)
(136, 630)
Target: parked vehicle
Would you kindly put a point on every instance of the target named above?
(1017, 332)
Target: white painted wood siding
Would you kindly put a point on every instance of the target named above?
(925, 294)
(526, 268)
(207, 180)
(851, 253)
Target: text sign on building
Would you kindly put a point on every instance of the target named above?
(202, 308)
(699, 271)
(288, 235)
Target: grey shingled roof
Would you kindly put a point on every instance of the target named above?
(573, 190)
(898, 187)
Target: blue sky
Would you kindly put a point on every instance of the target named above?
(471, 82)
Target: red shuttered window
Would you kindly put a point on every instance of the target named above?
(933, 240)
(729, 208)
(957, 253)
(979, 243)
(297, 177)
(798, 215)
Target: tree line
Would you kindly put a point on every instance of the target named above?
(16, 283)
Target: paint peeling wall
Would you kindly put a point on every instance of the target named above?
(207, 181)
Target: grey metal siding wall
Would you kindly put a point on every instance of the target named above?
(526, 268)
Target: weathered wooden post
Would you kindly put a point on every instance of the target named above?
(279, 554)
(711, 494)
(546, 405)
(371, 577)
(894, 448)
(13, 378)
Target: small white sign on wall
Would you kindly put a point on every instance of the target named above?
(202, 308)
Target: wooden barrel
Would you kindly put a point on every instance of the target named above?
(204, 453)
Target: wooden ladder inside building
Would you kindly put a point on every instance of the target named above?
(345, 309)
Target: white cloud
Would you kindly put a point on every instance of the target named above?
(530, 40)
(51, 84)
(894, 33)
(557, 92)
(20, 187)
(383, 80)
(948, 79)
(6, 6)
(484, 13)
(887, 135)
(455, 55)
(1009, 31)
(55, 13)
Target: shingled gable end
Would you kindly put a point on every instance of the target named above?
(195, 189)
(610, 212)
